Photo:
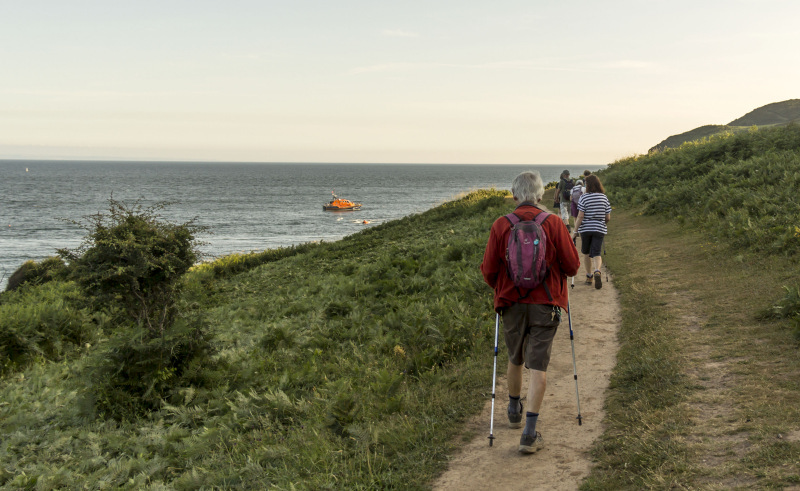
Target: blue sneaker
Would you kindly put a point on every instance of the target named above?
(531, 443)
(515, 418)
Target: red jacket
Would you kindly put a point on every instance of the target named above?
(561, 255)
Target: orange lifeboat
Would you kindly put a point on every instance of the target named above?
(341, 204)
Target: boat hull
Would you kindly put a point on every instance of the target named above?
(340, 204)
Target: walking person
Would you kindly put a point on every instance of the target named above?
(575, 195)
(594, 213)
(563, 189)
(530, 317)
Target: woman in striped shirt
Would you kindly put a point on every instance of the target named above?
(594, 212)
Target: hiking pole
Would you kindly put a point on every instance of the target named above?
(494, 378)
(574, 366)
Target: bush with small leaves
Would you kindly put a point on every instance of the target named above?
(31, 272)
(131, 265)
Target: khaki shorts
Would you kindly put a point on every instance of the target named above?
(529, 331)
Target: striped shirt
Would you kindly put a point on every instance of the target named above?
(594, 206)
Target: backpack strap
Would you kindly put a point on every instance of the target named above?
(513, 219)
(544, 284)
(540, 218)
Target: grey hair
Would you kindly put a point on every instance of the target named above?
(528, 187)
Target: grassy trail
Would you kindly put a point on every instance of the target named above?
(705, 395)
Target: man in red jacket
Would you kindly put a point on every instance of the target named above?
(530, 317)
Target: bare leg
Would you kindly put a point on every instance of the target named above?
(531, 439)
(587, 264)
(597, 262)
(514, 379)
(536, 389)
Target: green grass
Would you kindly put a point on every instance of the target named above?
(740, 189)
(704, 251)
(704, 384)
(350, 364)
(645, 405)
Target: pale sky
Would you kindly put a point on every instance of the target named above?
(462, 81)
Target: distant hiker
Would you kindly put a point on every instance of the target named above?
(594, 213)
(530, 316)
(563, 189)
(575, 194)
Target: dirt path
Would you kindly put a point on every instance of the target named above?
(565, 460)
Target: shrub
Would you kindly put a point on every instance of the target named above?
(42, 322)
(787, 308)
(130, 264)
(132, 258)
(31, 272)
(137, 371)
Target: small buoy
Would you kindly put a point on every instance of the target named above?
(365, 222)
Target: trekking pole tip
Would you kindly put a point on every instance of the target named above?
(491, 440)
(580, 421)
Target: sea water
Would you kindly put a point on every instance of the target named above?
(246, 207)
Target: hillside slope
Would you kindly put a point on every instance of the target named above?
(775, 114)
(703, 243)
(337, 365)
(739, 189)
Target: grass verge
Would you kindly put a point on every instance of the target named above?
(706, 392)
